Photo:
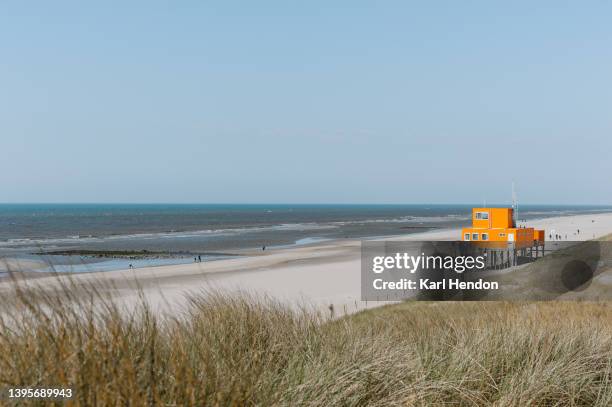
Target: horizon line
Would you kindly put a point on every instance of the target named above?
(296, 203)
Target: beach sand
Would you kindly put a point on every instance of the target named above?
(323, 276)
(21, 264)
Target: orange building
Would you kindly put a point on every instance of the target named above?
(497, 225)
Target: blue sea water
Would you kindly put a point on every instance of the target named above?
(214, 228)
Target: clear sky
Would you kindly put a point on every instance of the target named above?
(314, 101)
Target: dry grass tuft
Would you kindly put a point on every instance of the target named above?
(247, 351)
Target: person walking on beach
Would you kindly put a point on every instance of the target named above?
(199, 259)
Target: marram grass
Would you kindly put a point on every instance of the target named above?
(239, 350)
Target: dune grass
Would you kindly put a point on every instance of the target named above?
(239, 350)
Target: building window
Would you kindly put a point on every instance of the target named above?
(466, 236)
(502, 235)
(485, 236)
(482, 215)
(474, 236)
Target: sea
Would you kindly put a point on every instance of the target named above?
(178, 233)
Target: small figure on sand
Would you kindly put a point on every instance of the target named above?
(263, 248)
(199, 259)
(131, 266)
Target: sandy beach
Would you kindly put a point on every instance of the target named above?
(317, 275)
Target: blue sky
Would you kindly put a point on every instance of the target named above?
(350, 102)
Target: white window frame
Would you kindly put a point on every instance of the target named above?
(474, 236)
(481, 215)
(485, 236)
(466, 236)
